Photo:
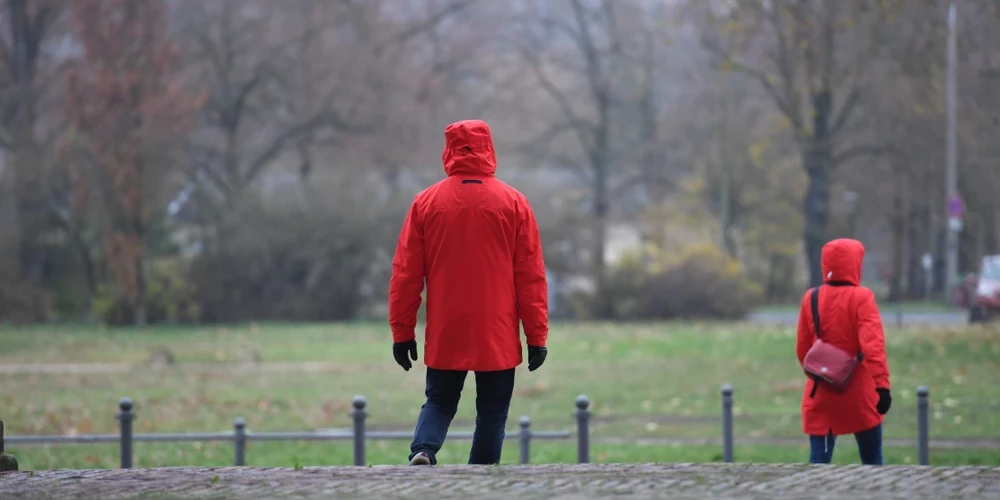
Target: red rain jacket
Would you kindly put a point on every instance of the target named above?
(849, 319)
(475, 241)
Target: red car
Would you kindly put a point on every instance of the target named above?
(981, 292)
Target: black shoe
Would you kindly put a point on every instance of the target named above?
(421, 458)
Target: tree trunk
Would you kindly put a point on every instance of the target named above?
(31, 213)
(603, 306)
(599, 161)
(141, 305)
(938, 241)
(818, 163)
(897, 223)
(90, 272)
(29, 200)
(726, 168)
(817, 213)
(917, 244)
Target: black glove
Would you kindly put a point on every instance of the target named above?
(400, 351)
(536, 356)
(884, 401)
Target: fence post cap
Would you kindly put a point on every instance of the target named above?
(524, 421)
(359, 402)
(922, 390)
(240, 422)
(125, 405)
(582, 401)
(727, 389)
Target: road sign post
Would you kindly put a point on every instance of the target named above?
(956, 209)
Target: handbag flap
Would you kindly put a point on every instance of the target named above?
(829, 362)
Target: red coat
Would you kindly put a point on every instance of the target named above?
(475, 241)
(849, 319)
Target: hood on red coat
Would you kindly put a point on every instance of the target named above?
(842, 260)
(468, 149)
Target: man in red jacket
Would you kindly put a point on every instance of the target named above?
(474, 241)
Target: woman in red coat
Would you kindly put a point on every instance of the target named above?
(849, 320)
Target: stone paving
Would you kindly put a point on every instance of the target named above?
(549, 482)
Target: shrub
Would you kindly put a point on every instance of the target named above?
(170, 296)
(22, 302)
(701, 282)
(287, 263)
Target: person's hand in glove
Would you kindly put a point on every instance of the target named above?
(536, 356)
(403, 352)
(884, 401)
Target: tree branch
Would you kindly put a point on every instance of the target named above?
(277, 144)
(579, 125)
(842, 116)
(431, 22)
(544, 139)
(786, 109)
(566, 28)
(643, 178)
(784, 104)
(860, 151)
(787, 70)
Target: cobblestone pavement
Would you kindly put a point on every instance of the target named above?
(549, 482)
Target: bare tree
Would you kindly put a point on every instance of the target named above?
(812, 58)
(576, 58)
(25, 80)
(250, 118)
(280, 83)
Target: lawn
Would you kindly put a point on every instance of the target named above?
(646, 381)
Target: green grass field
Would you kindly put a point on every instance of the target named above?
(646, 381)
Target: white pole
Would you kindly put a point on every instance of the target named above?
(951, 176)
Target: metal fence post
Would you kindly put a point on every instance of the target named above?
(359, 415)
(525, 439)
(240, 441)
(923, 451)
(727, 423)
(125, 418)
(583, 429)
(7, 462)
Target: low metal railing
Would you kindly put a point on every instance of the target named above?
(241, 435)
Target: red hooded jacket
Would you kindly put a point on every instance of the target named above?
(475, 241)
(849, 319)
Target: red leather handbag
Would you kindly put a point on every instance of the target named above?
(825, 362)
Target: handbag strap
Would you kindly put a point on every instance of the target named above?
(814, 299)
(814, 302)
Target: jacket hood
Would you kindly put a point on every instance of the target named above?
(468, 149)
(842, 260)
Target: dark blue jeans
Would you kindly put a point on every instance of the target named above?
(443, 390)
(869, 447)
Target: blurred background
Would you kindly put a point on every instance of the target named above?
(247, 164)
(193, 160)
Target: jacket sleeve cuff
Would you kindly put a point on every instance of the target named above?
(537, 339)
(403, 336)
